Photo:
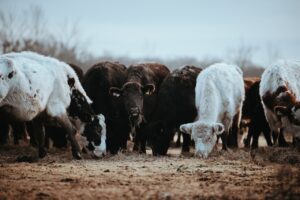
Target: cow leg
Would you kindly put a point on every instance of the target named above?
(38, 133)
(30, 130)
(275, 137)
(143, 145)
(66, 124)
(19, 131)
(281, 140)
(143, 139)
(224, 141)
(186, 142)
(178, 138)
(4, 133)
(247, 140)
(40, 136)
(254, 132)
(136, 142)
(233, 136)
(267, 134)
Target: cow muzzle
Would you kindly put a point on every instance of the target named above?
(134, 112)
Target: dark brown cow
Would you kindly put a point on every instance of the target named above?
(254, 113)
(97, 82)
(175, 106)
(140, 93)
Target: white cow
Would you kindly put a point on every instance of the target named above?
(219, 96)
(280, 94)
(32, 86)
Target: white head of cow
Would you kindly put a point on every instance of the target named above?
(7, 73)
(204, 134)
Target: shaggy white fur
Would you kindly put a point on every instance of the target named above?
(219, 96)
(38, 83)
(31, 83)
(282, 73)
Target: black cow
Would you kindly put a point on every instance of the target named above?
(97, 82)
(176, 106)
(140, 93)
(254, 112)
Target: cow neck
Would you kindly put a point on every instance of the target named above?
(209, 108)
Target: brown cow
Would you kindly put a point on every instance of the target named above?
(140, 93)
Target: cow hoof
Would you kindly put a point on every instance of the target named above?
(76, 155)
(185, 150)
(246, 143)
(29, 159)
(98, 154)
(42, 152)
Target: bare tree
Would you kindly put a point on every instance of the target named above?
(32, 33)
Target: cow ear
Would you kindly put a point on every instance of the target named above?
(218, 128)
(115, 92)
(281, 111)
(186, 128)
(148, 89)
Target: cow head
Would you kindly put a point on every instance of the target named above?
(133, 95)
(94, 129)
(290, 119)
(7, 73)
(96, 142)
(204, 134)
(158, 138)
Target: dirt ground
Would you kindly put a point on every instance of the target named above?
(267, 173)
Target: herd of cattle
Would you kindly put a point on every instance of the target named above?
(51, 100)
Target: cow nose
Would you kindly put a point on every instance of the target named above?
(134, 111)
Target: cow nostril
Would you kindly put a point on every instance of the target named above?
(134, 111)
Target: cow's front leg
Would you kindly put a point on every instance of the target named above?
(66, 124)
(38, 133)
(224, 140)
(4, 127)
(143, 144)
(186, 143)
(281, 140)
(136, 140)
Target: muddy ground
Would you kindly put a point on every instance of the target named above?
(268, 173)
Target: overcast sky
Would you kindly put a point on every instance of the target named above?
(177, 28)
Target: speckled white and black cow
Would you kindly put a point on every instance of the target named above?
(280, 95)
(219, 95)
(37, 88)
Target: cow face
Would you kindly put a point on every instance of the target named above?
(204, 134)
(133, 94)
(95, 134)
(94, 125)
(290, 118)
(7, 73)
